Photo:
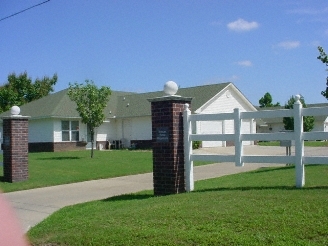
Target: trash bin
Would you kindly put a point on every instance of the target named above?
(288, 144)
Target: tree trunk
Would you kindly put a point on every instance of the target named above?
(92, 140)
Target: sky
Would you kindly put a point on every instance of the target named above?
(138, 45)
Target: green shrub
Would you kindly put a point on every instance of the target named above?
(196, 144)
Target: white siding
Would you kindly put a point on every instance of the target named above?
(229, 126)
(247, 127)
(128, 129)
(111, 129)
(224, 102)
(41, 130)
(127, 132)
(325, 125)
(83, 132)
(105, 132)
(141, 128)
(119, 132)
(319, 125)
(102, 132)
(57, 131)
(210, 127)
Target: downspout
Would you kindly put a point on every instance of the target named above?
(122, 132)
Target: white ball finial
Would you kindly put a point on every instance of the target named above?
(170, 88)
(15, 110)
(297, 97)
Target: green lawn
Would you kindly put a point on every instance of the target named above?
(256, 208)
(47, 169)
(306, 143)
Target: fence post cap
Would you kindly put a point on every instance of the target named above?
(170, 88)
(297, 98)
(15, 110)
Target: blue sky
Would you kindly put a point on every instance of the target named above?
(138, 45)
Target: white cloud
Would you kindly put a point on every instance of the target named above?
(241, 25)
(289, 44)
(245, 63)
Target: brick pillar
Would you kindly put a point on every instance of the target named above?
(15, 148)
(167, 142)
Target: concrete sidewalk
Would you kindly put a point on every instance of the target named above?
(33, 206)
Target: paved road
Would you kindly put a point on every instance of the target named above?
(33, 206)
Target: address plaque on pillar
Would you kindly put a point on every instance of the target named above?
(162, 135)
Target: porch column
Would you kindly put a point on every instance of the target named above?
(15, 146)
(167, 141)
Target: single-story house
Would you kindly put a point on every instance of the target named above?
(269, 125)
(55, 125)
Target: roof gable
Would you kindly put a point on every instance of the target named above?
(242, 100)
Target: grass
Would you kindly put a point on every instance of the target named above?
(316, 143)
(48, 169)
(256, 208)
(306, 143)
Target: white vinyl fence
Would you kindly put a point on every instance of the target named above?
(298, 136)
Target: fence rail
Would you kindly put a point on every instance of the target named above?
(298, 136)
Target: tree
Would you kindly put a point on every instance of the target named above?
(20, 90)
(324, 58)
(90, 103)
(266, 101)
(308, 121)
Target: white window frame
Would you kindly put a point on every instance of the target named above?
(70, 131)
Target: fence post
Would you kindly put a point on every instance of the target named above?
(238, 142)
(189, 166)
(15, 146)
(299, 143)
(167, 141)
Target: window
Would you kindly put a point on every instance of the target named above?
(70, 130)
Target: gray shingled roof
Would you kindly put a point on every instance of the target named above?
(120, 105)
(137, 104)
(54, 105)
